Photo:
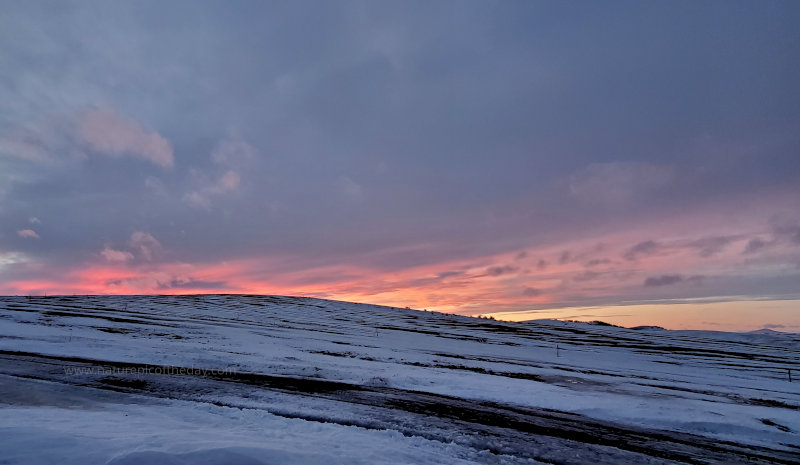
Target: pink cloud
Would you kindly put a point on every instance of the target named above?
(109, 133)
(197, 199)
(232, 152)
(233, 149)
(577, 271)
(144, 244)
(28, 234)
(116, 255)
(226, 183)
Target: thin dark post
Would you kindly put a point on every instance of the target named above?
(790, 374)
(557, 351)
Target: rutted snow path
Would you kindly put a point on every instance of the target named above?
(313, 381)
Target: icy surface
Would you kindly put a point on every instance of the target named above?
(304, 380)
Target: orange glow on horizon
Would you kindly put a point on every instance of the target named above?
(568, 274)
(743, 315)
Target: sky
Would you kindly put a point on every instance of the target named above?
(570, 159)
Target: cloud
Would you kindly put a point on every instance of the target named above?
(618, 183)
(108, 133)
(235, 154)
(350, 188)
(710, 246)
(531, 292)
(586, 276)
(500, 270)
(670, 279)
(696, 279)
(28, 234)
(664, 280)
(116, 255)
(191, 283)
(788, 231)
(641, 249)
(413, 143)
(754, 245)
(144, 244)
(100, 130)
(197, 200)
(565, 257)
(11, 258)
(34, 220)
(774, 326)
(232, 150)
(226, 183)
(449, 274)
(784, 231)
(153, 281)
(155, 185)
(38, 141)
(598, 261)
(140, 244)
(16, 145)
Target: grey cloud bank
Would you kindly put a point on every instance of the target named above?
(389, 136)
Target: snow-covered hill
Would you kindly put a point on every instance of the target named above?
(262, 379)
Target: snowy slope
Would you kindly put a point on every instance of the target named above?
(265, 379)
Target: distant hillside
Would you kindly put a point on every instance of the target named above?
(253, 379)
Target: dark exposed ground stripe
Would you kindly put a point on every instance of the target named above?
(466, 414)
